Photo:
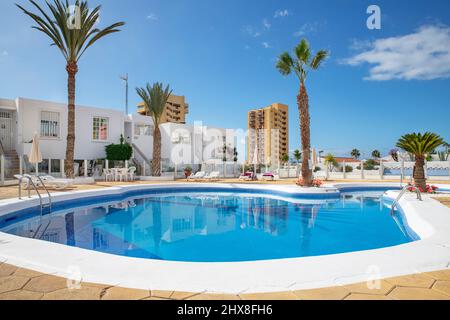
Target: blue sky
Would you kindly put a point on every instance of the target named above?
(376, 86)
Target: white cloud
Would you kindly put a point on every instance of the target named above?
(307, 28)
(251, 31)
(359, 45)
(5, 53)
(266, 24)
(152, 16)
(422, 55)
(266, 45)
(281, 13)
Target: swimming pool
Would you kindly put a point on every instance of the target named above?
(220, 226)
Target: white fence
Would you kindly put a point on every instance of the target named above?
(437, 170)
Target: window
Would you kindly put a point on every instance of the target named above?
(49, 124)
(143, 130)
(100, 129)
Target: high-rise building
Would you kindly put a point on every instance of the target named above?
(176, 110)
(269, 133)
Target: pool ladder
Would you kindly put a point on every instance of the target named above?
(31, 183)
(402, 193)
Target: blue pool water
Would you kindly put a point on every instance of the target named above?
(209, 227)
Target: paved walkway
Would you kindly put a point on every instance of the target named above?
(444, 201)
(22, 284)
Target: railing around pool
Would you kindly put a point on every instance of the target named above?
(31, 182)
(402, 193)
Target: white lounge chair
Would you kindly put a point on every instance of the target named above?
(57, 183)
(49, 181)
(215, 175)
(198, 175)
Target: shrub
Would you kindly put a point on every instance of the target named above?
(428, 189)
(347, 169)
(187, 171)
(370, 164)
(316, 183)
(316, 169)
(119, 152)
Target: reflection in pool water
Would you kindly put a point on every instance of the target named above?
(212, 228)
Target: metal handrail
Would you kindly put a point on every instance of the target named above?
(141, 154)
(31, 182)
(402, 193)
(46, 190)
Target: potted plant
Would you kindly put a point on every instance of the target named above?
(187, 171)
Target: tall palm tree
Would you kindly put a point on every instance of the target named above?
(155, 99)
(376, 154)
(355, 154)
(420, 145)
(300, 65)
(72, 40)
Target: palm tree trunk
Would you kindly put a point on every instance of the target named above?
(156, 162)
(72, 69)
(303, 107)
(419, 173)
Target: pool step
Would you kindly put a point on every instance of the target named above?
(41, 230)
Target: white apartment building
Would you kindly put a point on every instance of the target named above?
(95, 128)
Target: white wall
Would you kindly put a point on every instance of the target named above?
(143, 142)
(29, 117)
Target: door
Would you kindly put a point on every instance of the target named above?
(6, 129)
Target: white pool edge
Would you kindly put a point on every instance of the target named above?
(429, 219)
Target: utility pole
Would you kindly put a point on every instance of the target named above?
(125, 78)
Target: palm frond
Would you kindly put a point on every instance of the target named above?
(72, 42)
(303, 52)
(318, 59)
(285, 64)
(420, 144)
(155, 99)
(302, 62)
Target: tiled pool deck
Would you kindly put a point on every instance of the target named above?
(22, 284)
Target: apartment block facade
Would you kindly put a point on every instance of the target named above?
(95, 128)
(268, 136)
(175, 112)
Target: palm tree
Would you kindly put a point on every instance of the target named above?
(355, 154)
(297, 155)
(330, 161)
(285, 158)
(155, 98)
(420, 145)
(301, 64)
(73, 43)
(376, 154)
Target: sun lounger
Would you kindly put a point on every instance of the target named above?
(198, 175)
(268, 176)
(215, 175)
(49, 181)
(59, 184)
(248, 176)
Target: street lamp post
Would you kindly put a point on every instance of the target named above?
(125, 78)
